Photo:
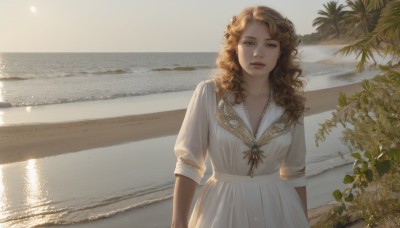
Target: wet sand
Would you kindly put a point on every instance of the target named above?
(32, 141)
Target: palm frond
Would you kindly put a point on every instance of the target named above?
(389, 23)
(375, 4)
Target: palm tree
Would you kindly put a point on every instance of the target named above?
(377, 4)
(388, 27)
(360, 19)
(330, 19)
(374, 114)
(385, 34)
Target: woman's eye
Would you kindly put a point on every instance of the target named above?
(271, 45)
(248, 43)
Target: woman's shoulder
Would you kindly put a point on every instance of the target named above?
(206, 91)
(207, 85)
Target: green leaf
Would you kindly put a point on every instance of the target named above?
(364, 168)
(367, 85)
(338, 195)
(356, 156)
(357, 170)
(382, 166)
(368, 155)
(369, 175)
(348, 179)
(349, 197)
(342, 100)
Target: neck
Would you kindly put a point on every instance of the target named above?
(256, 86)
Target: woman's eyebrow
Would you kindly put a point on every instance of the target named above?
(254, 38)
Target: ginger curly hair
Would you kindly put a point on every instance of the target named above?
(286, 85)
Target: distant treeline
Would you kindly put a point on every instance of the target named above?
(316, 38)
(313, 38)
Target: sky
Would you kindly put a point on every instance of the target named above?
(132, 25)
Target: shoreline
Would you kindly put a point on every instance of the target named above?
(32, 141)
(159, 214)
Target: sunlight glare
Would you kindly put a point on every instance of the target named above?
(1, 118)
(3, 198)
(35, 192)
(33, 9)
(1, 92)
(32, 180)
(1, 100)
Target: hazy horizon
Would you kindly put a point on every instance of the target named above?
(73, 26)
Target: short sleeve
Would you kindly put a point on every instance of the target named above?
(293, 167)
(192, 141)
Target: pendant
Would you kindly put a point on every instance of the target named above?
(254, 156)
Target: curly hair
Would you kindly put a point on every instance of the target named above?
(284, 79)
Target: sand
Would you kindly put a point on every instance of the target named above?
(32, 141)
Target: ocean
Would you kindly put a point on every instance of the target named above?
(104, 182)
(33, 79)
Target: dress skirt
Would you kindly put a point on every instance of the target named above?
(248, 202)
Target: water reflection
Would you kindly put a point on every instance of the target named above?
(3, 198)
(1, 118)
(1, 91)
(33, 188)
(1, 99)
(2, 67)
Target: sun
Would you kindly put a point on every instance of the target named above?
(33, 9)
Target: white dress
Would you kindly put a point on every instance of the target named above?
(231, 198)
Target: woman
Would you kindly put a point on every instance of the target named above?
(249, 120)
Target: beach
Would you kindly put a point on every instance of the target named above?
(32, 141)
(89, 143)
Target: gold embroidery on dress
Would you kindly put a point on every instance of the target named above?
(228, 119)
(190, 163)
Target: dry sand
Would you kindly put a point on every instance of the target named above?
(31, 141)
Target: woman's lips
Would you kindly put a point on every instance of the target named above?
(257, 65)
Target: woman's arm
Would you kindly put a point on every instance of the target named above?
(303, 196)
(183, 195)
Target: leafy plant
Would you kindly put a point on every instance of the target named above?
(371, 118)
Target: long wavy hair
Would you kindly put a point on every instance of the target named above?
(284, 79)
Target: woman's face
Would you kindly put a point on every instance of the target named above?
(257, 51)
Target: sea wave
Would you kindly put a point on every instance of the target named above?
(81, 211)
(110, 72)
(343, 74)
(183, 68)
(105, 72)
(327, 163)
(41, 102)
(329, 168)
(12, 79)
(5, 104)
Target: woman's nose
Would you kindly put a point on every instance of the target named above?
(258, 52)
